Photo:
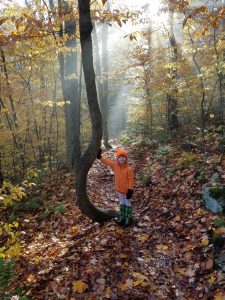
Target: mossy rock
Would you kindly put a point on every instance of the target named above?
(217, 192)
(214, 199)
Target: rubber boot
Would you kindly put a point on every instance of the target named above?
(122, 214)
(128, 216)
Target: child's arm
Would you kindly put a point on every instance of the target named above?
(105, 161)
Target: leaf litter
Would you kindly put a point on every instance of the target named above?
(166, 254)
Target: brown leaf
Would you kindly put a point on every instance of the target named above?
(209, 264)
(79, 286)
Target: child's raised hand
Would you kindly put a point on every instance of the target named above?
(99, 154)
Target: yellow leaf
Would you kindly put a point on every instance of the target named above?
(219, 296)
(200, 212)
(162, 248)
(15, 224)
(205, 242)
(37, 260)
(212, 279)
(14, 250)
(123, 255)
(2, 249)
(177, 218)
(7, 227)
(74, 227)
(219, 231)
(139, 282)
(147, 259)
(143, 237)
(126, 264)
(31, 278)
(79, 286)
(140, 276)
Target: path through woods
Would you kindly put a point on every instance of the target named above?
(166, 254)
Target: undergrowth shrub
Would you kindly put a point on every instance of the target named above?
(163, 150)
(7, 273)
(186, 159)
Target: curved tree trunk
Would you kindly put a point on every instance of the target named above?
(89, 156)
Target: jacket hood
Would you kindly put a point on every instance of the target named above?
(121, 152)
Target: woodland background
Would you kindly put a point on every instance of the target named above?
(75, 76)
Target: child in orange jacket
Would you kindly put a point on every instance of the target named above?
(124, 183)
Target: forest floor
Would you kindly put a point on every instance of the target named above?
(166, 254)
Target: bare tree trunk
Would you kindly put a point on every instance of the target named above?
(69, 81)
(147, 86)
(105, 71)
(202, 105)
(89, 156)
(172, 117)
(71, 85)
(221, 84)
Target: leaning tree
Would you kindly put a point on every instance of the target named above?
(88, 157)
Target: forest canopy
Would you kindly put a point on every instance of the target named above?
(160, 67)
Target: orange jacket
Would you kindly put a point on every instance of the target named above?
(124, 175)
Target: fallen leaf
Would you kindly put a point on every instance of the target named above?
(79, 286)
(219, 296)
(205, 242)
(209, 264)
(162, 248)
(177, 218)
(108, 293)
(212, 279)
(143, 237)
(219, 231)
(123, 256)
(140, 276)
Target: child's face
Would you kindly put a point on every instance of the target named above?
(122, 159)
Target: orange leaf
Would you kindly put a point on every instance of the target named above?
(104, 2)
(79, 286)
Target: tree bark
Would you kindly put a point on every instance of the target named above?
(105, 71)
(89, 156)
(172, 117)
(71, 85)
